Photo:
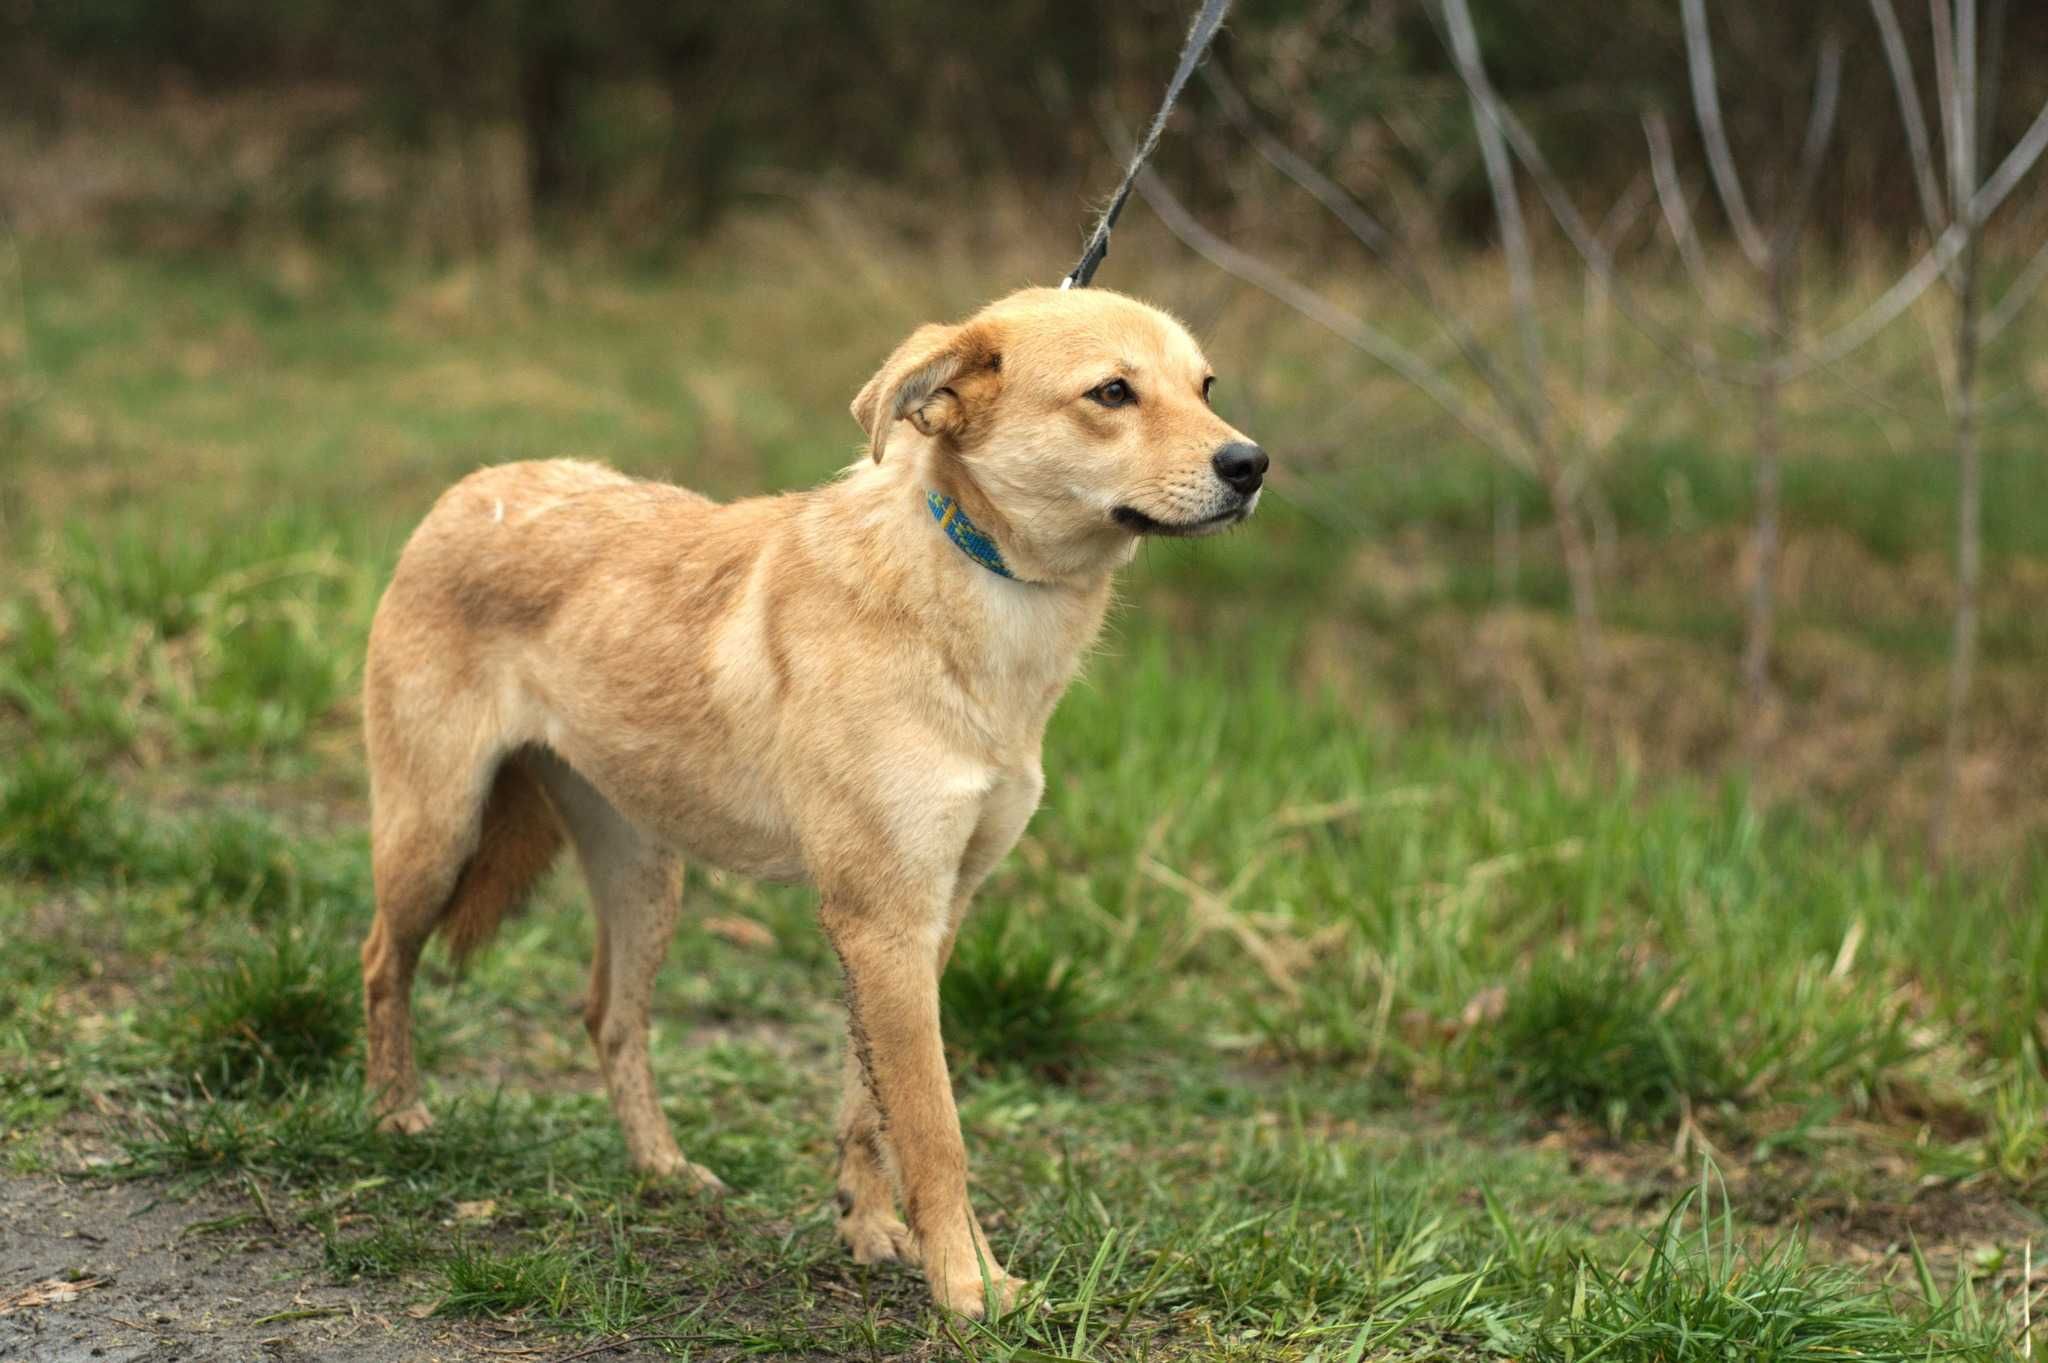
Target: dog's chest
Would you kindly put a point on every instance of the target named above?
(1011, 669)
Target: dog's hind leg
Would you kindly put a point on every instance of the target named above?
(416, 855)
(635, 890)
(459, 829)
(454, 859)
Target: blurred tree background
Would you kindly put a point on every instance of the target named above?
(646, 121)
(808, 178)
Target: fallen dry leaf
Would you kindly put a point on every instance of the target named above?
(741, 932)
(1485, 1006)
(48, 1292)
(476, 1211)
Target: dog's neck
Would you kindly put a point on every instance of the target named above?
(1082, 564)
(874, 528)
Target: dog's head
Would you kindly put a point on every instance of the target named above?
(1078, 419)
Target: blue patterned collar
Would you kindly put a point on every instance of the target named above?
(972, 540)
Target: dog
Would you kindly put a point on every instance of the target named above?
(847, 686)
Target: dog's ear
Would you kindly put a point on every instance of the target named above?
(917, 382)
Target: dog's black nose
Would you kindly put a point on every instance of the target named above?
(1242, 465)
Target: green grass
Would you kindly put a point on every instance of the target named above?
(1697, 1295)
(57, 818)
(1327, 1011)
(281, 1014)
(1011, 998)
(1599, 1039)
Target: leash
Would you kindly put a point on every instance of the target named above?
(1200, 34)
(969, 538)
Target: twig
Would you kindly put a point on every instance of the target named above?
(1911, 112)
(1214, 911)
(1838, 344)
(1264, 277)
(620, 1342)
(1939, 16)
(1560, 480)
(1507, 205)
(1781, 284)
(2017, 297)
(1706, 101)
(1820, 128)
(1671, 199)
(262, 1201)
(1370, 234)
(1962, 146)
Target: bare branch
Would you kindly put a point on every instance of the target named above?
(1343, 205)
(1346, 208)
(1387, 351)
(2018, 296)
(1945, 106)
(1904, 292)
(1500, 179)
(1599, 351)
(1911, 113)
(1559, 478)
(1820, 126)
(1671, 198)
(1833, 347)
(1963, 147)
(1946, 249)
(1627, 210)
(1706, 101)
(2012, 169)
(1991, 67)
(1591, 250)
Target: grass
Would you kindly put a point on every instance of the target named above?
(1011, 998)
(281, 1014)
(1598, 1039)
(1338, 1005)
(56, 818)
(1702, 1297)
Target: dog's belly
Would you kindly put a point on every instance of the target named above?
(711, 833)
(715, 811)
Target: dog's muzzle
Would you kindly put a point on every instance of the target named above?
(1240, 466)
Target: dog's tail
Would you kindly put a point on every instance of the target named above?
(518, 841)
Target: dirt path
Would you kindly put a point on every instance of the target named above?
(165, 1288)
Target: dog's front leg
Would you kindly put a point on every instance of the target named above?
(889, 951)
(868, 1223)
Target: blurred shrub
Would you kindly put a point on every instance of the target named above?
(913, 92)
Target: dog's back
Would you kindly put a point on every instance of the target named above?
(491, 565)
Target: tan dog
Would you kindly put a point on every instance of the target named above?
(847, 686)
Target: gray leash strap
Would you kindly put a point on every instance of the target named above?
(1200, 34)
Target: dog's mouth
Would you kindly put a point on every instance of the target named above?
(1138, 523)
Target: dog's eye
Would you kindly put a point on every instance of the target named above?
(1115, 393)
(1207, 384)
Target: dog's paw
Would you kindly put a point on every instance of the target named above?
(409, 1120)
(673, 1168)
(877, 1239)
(964, 1297)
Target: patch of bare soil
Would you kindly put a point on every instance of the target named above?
(1953, 1219)
(120, 1274)
(1863, 1201)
